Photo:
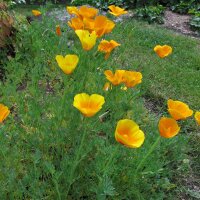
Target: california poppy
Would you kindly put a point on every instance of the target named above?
(168, 127)
(88, 105)
(67, 63)
(88, 40)
(163, 51)
(58, 30)
(117, 11)
(179, 110)
(106, 47)
(132, 78)
(76, 23)
(129, 134)
(4, 112)
(115, 78)
(197, 117)
(36, 13)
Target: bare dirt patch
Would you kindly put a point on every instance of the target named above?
(179, 23)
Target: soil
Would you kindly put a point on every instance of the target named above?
(179, 23)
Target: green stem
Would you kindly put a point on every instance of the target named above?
(147, 155)
(57, 189)
(75, 164)
(110, 160)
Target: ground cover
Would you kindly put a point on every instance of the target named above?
(41, 137)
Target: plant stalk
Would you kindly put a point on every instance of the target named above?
(147, 155)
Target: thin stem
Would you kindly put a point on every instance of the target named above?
(110, 160)
(75, 164)
(147, 155)
(57, 189)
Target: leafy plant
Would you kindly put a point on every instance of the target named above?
(151, 13)
(195, 22)
(183, 7)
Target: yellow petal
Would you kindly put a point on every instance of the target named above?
(36, 13)
(116, 11)
(87, 40)
(4, 112)
(197, 117)
(67, 63)
(88, 105)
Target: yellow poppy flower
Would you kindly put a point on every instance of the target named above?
(67, 63)
(36, 13)
(197, 117)
(168, 127)
(102, 25)
(179, 110)
(4, 112)
(129, 134)
(58, 30)
(87, 12)
(106, 47)
(76, 24)
(88, 105)
(131, 78)
(163, 51)
(88, 40)
(116, 78)
(117, 11)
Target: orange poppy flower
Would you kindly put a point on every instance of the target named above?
(88, 40)
(106, 47)
(129, 134)
(58, 30)
(4, 112)
(88, 105)
(131, 78)
(87, 12)
(179, 110)
(67, 63)
(168, 127)
(197, 117)
(116, 78)
(116, 11)
(102, 25)
(36, 13)
(163, 51)
(82, 12)
(88, 24)
(76, 24)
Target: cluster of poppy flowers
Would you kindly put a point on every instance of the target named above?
(178, 110)
(129, 78)
(89, 26)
